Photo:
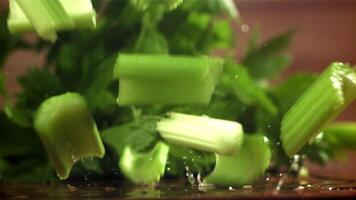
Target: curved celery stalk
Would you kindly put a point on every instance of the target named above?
(68, 131)
(163, 79)
(202, 133)
(322, 102)
(144, 168)
(245, 166)
(341, 135)
(49, 16)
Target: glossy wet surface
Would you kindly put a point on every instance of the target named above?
(291, 189)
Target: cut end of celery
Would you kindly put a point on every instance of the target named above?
(243, 167)
(202, 133)
(330, 94)
(68, 131)
(146, 167)
(163, 79)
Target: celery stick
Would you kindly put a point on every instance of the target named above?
(162, 79)
(244, 167)
(341, 135)
(17, 21)
(68, 131)
(144, 168)
(321, 103)
(46, 16)
(202, 133)
(80, 14)
(165, 68)
(141, 92)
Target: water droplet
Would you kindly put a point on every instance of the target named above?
(299, 188)
(231, 188)
(247, 187)
(269, 126)
(245, 28)
(330, 188)
(71, 188)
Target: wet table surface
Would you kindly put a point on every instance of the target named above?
(311, 188)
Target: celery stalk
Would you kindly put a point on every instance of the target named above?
(17, 21)
(144, 168)
(165, 67)
(49, 16)
(341, 135)
(245, 166)
(321, 103)
(162, 79)
(46, 16)
(68, 131)
(202, 133)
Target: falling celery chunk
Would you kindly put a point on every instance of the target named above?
(49, 16)
(244, 167)
(163, 79)
(341, 135)
(202, 133)
(331, 93)
(146, 167)
(68, 131)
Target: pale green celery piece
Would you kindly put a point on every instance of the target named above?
(244, 167)
(68, 131)
(330, 94)
(341, 135)
(202, 133)
(165, 67)
(145, 167)
(231, 8)
(163, 79)
(46, 16)
(142, 92)
(17, 21)
(80, 14)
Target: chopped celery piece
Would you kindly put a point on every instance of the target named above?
(46, 16)
(341, 135)
(321, 103)
(245, 166)
(144, 168)
(81, 12)
(17, 21)
(202, 133)
(68, 131)
(162, 79)
(49, 16)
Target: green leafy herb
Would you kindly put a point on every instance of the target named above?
(268, 59)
